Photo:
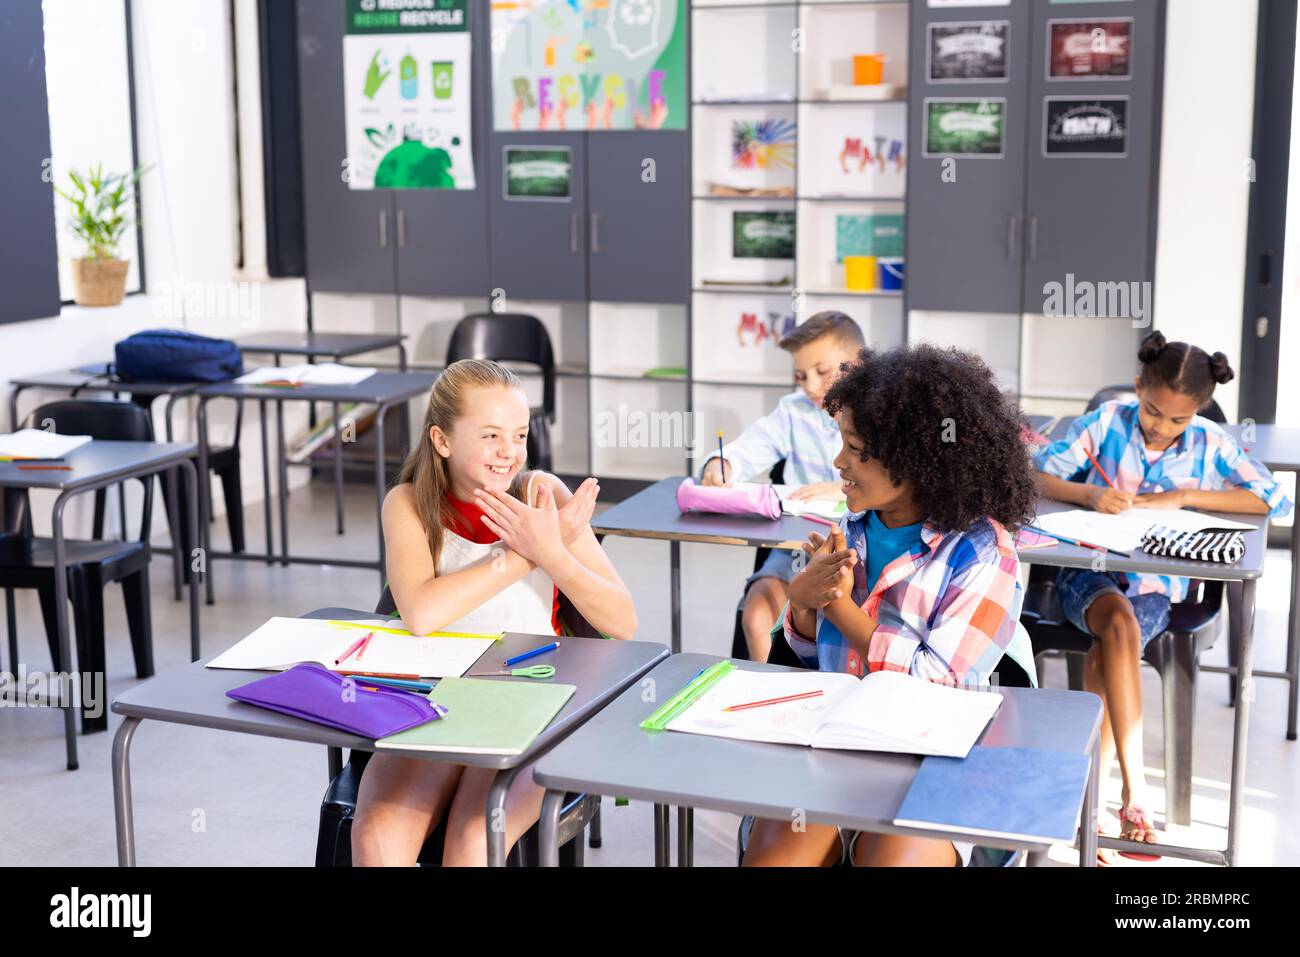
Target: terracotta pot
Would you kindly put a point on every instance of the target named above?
(99, 282)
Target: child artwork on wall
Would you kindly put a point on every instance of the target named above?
(751, 330)
(856, 155)
(762, 144)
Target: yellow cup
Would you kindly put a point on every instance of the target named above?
(860, 272)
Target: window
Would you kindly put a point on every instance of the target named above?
(87, 71)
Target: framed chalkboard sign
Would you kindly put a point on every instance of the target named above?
(969, 51)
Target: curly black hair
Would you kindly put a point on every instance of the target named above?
(934, 417)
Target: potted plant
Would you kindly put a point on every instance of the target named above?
(101, 205)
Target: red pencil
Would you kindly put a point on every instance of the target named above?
(1101, 471)
(45, 468)
(376, 674)
(351, 649)
(821, 521)
(365, 643)
(760, 704)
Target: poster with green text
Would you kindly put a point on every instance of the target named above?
(589, 65)
(406, 77)
(965, 126)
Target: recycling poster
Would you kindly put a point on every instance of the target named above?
(406, 78)
(589, 65)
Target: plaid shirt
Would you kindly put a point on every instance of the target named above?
(946, 612)
(797, 431)
(1203, 457)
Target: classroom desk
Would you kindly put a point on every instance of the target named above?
(600, 668)
(652, 513)
(328, 345)
(94, 378)
(1246, 571)
(383, 389)
(1040, 423)
(95, 465)
(861, 790)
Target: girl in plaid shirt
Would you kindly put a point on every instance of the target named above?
(1160, 454)
(922, 575)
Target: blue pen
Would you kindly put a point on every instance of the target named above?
(531, 654)
(420, 686)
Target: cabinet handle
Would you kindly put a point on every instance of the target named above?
(595, 232)
(401, 228)
(1033, 238)
(1011, 235)
(573, 232)
(383, 229)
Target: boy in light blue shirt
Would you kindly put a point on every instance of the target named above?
(799, 431)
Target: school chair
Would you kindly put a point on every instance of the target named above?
(27, 561)
(1194, 626)
(334, 834)
(513, 337)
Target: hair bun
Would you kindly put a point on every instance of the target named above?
(1151, 347)
(1219, 368)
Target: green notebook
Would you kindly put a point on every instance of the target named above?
(485, 716)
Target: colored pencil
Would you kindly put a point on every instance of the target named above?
(1100, 471)
(351, 649)
(821, 521)
(721, 459)
(766, 702)
(44, 468)
(531, 654)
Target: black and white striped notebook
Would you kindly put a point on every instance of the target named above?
(1205, 545)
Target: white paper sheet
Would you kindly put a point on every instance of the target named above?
(39, 444)
(283, 642)
(831, 509)
(323, 373)
(1123, 532)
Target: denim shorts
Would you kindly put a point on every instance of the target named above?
(1077, 589)
(779, 564)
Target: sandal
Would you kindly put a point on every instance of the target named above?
(1135, 825)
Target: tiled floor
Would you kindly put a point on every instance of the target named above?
(203, 797)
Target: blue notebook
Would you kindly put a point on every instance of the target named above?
(1017, 793)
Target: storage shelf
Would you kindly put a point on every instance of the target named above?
(746, 290)
(747, 383)
(867, 293)
(636, 377)
(745, 199)
(723, 101)
(848, 198)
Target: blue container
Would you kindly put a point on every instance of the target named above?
(891, 273)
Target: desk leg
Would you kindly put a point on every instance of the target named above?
(381, 480)
(192, 518)
(122, 812)
(284, 484)
(13, 408)
(552, 804)
(204, 533)
(1241, 717)
(685, 837)
(496, 816)
(675, 566)
(61, 619)
(266, 485)
(405, 411)
(338, 470)
(174, 523)
(661, 835)
(1293, 633)
(1088, 817)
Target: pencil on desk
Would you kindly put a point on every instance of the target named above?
(44, 468)
(821, 521)
(781, 700)
(1100, 471)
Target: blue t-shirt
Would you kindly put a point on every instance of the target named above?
(884, 544)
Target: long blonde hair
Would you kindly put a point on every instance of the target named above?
(424, 468)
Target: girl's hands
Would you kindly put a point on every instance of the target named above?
(534, 533)
(575, 514)
(828, 575)
(818, 490)
(1102, 499)
(1173, 499)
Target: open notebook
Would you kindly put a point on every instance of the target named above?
(320, 373)
(39, 444)
(885, 711)
(1123, 532)
(282, 643)
(831, 509)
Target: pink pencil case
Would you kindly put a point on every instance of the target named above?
(759, 500)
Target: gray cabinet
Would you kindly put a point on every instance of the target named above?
(638, 206)
(1071, 196)
(965, 212)
(537, 204)
(29, 259)
(351, 235)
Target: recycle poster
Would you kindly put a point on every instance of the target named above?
(406, 93)
(589, 64)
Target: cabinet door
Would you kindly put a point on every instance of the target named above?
(29, 258)
(537, 211)
(1092, 153)
(442, 234)
(638, 216)
(965, 209)
(350, 234)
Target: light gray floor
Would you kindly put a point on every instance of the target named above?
(218, 799)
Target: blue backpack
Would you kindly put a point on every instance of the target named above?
(172, 355)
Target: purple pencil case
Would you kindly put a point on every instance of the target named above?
(760, 500)
(314, 693)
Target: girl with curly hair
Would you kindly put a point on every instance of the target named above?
(921, 576)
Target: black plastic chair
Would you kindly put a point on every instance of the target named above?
(513, 337)
(334, 834)
(28, 562)
(1194, 626)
